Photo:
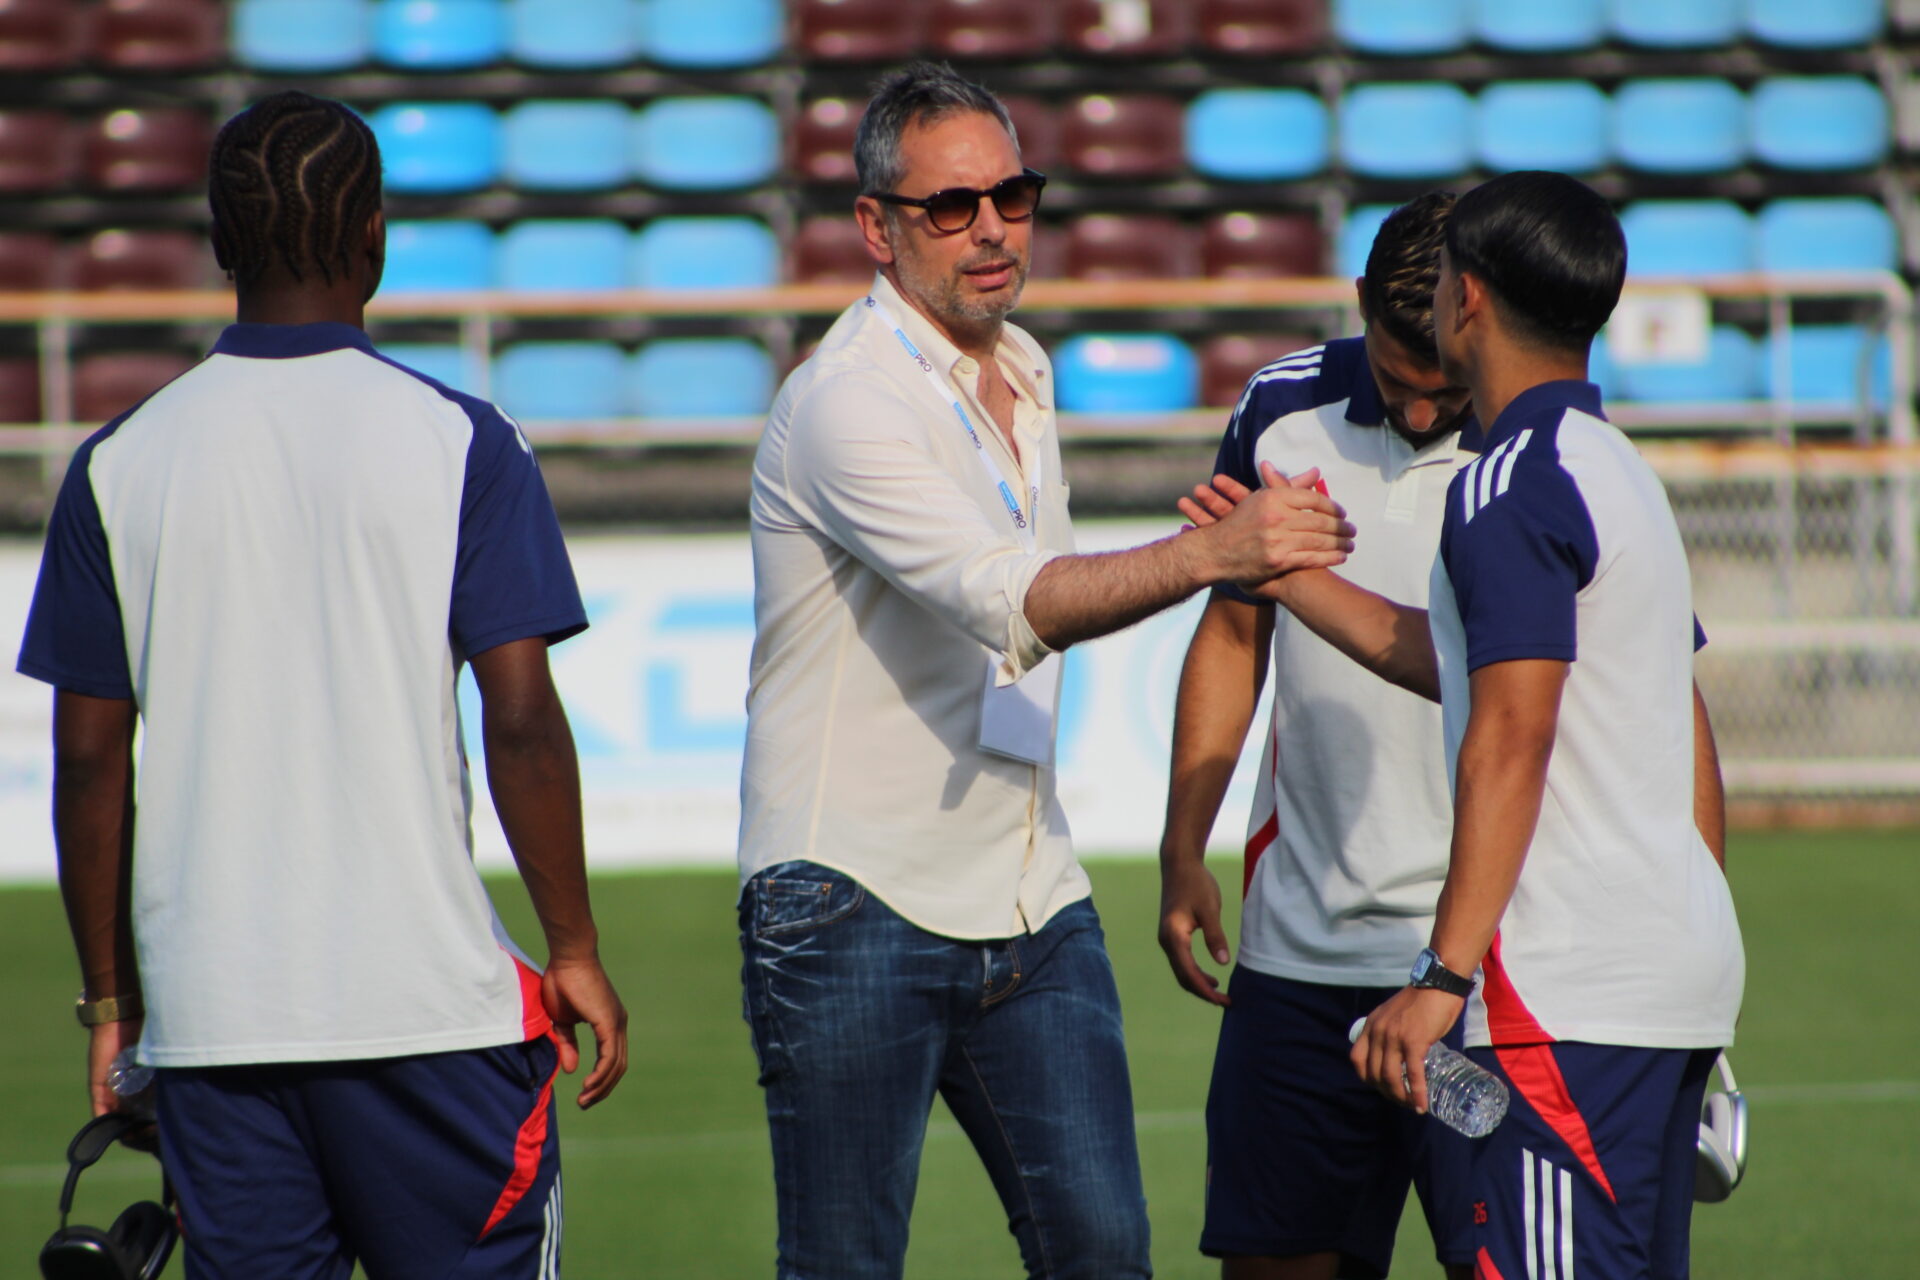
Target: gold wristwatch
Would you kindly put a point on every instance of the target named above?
(93, 1013)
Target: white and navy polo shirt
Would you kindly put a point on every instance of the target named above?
(283, 558)
(1347, 842)
(1559, 544)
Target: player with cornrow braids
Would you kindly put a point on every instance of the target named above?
(277, 566)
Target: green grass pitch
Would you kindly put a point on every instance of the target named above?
(671, 1178)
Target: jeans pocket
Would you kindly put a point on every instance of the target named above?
(800, 895)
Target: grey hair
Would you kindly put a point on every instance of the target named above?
(920, 93)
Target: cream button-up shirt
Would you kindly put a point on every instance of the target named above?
(889, 582)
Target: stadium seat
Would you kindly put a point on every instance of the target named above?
(1687, 238)
(1123, 135)
(1037, 126)
(1130, 246)
(855, 30)
(1539, 26)
(437, 147)
(1356, 237)
(1600, 369)
(1680, 126)
(108, 383)
(1247, 246)
(560, 380)
(1821, 364)
(19, 390)
(1542, 124)
(40, 35)
(1228, 360)
(699, 378)
(566, 146)
(1150, 29)
(1675, 24)
(1837, 233)
(1402, 28)
(710, 34)
(704, 253)
(439, 35)
(1125, 373)
(1257, 134)
(30, 262)
(144, 260)
(301, 35)
(1001, 30)
(705, 143)
(1804, 24)
(568, 35)
(828, 249)
(159, 35)
(1819, 123)
(444, 362)
(1730, 372)
(36, 151)
(562, 254)
(438, 257)
(1406, 130)
(820, 143)
(149, 149)
(1262, 28)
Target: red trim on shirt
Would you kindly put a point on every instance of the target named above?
(1483, 1268)
(1509, 1021)
(1256, 846)
(1536, 1074)
(534, 1021)
(527, 1145)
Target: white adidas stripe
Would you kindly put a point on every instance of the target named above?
(1566, 1225)
(1489, 475)
(1528, 1221)
(551, 1231)
(1546, 1199)
(1506, 463)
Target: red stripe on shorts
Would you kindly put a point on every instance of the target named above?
(1483, 1268)
(527, 1145)
(1536, 1074)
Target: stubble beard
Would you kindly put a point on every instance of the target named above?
(944, 295)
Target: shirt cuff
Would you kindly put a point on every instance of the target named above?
(1024, 649)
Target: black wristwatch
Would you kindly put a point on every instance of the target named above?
(1429, 972)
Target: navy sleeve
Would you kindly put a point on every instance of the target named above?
(1699, 634)
(511, 576)
(1519, 546)
(75, 640)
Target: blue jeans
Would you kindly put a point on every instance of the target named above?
(859, 1018)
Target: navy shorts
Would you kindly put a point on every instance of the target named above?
(1302, 1157)
(1591, 1173)
(443, 1164)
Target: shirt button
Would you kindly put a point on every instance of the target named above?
(967, 365)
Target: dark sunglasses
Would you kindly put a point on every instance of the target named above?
(954, 209)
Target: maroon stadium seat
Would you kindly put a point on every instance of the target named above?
(30, 262)
(36, 151)
(1122, 246)
(1229, 359)
(158, 35)
(1259, 245)
(1038, 125)
(828, 250)
(1134, 135)
(1151, 29)
(19, 389)
(40, 35)
(149, 149)
(1262, 28)
(108, 383)
(998, 29)
(820, 144)
(855, 30)
(148, 260)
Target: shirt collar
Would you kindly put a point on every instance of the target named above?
(290, 341)
(945, 356)
(1567, 393)
(1364, 406)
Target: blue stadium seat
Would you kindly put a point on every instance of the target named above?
(1406, 130)
(1126, 373)
(1731, 371)
(1815, 24)
(1601, 371)
(705, 143)
(541, 380)
(1819, 122)
(700, 378)
(566, 146)
(1401, 27)
(301, 35)
(573, 34)
(1675, 24)
(711, 33)
(437, 147)
(1822, 365)
(1257, 134)
(1835, 233)
(1542, 124)
(443, 362)
(439, 34)
(704, 253)
(572, 254)
(1680, 126)
(438, 257)
(1539, 26)
(1356, 237)
(1687, 238)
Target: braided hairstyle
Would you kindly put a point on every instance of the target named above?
(1404, 267)
(293, 180)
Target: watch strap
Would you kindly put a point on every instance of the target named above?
(93, 1013)
(1429, 974)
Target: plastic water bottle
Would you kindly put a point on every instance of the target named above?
(1460, 1094)
(127, 1077)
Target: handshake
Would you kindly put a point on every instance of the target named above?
(1252, 537)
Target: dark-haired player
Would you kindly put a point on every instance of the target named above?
(1307, 1167)
(278, 564)
(1585, 885)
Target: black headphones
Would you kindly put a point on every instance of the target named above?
(136, 1246)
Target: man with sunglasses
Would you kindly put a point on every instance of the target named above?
(913, 919)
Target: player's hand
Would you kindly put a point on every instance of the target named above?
(1210, 503)
(1391, 1053)
(1279, 529)
(576, 991)
(104, 1044)
(1190, 901)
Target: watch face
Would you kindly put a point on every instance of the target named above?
(1422, 966)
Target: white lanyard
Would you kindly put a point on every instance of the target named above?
(1022, 519)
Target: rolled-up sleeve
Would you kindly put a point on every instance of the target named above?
(860, 469)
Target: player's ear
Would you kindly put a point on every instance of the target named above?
(217, 236)
(876, 229)
(1360, 292)
(1470, 299)
(374, 249)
